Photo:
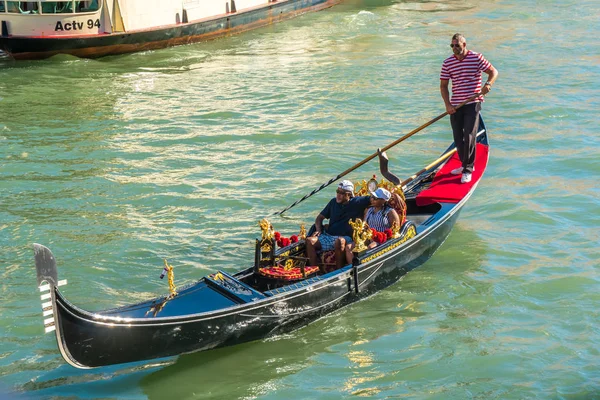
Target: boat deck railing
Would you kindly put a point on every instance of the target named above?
(49, 7)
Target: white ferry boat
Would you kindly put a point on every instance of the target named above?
(95, 28)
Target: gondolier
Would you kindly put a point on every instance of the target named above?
(464, 69)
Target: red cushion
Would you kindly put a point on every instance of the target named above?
(279, 272)
(447, 188)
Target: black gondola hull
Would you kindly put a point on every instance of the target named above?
(88, 341)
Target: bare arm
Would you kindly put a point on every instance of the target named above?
(445, 91)
(394, 218)
(492, 75)
(318, 225)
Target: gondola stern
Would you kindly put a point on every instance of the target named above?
(45, 265)
(47, 279)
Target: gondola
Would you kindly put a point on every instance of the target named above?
(224, 309)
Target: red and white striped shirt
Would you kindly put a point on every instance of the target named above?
(465, 76)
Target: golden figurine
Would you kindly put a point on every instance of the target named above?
(302, 234)
(361, 188)
(361, 233)
(268, 234)
(267, 229)
(171, 277)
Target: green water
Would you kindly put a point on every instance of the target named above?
(120, 162)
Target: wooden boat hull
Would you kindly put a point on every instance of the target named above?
(93, 46)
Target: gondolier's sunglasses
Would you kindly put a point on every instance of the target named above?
(455, 45)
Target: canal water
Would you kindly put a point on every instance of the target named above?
(118, 163)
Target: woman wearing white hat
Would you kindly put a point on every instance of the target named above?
(380, 216)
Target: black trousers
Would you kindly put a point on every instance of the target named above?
(465, 122)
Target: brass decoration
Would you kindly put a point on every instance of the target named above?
(361, 188)
(289, 264)
(171, 277)
(302, 234)
(266, 247)
(268, 235)
(364, 187)
(411, 233)
(218, 277)
(361, 233)
(267, 229)
(395, 231)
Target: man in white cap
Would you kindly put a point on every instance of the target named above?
(339, 211)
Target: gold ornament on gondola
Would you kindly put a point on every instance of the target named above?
(267, 229)
(268, 233)
(361, 188)
(361, 233)
(364, 187)
(411, 232)
(171, 277)
(302, 234)
(395, 231)
(289, 264)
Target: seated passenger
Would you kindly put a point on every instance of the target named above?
(340, 210)
(380, 216)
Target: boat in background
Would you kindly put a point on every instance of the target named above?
(95, 28)
(277, 292)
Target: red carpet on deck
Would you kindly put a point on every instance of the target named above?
(446, 188)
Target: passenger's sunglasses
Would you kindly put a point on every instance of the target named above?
(455, 45)
(340, 191)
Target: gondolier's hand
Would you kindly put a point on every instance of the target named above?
(450, 109)
(485, 89)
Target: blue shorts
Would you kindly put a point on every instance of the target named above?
(328, 242)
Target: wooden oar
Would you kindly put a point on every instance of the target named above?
(438, 161)
(372, 156)
(442, 158)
